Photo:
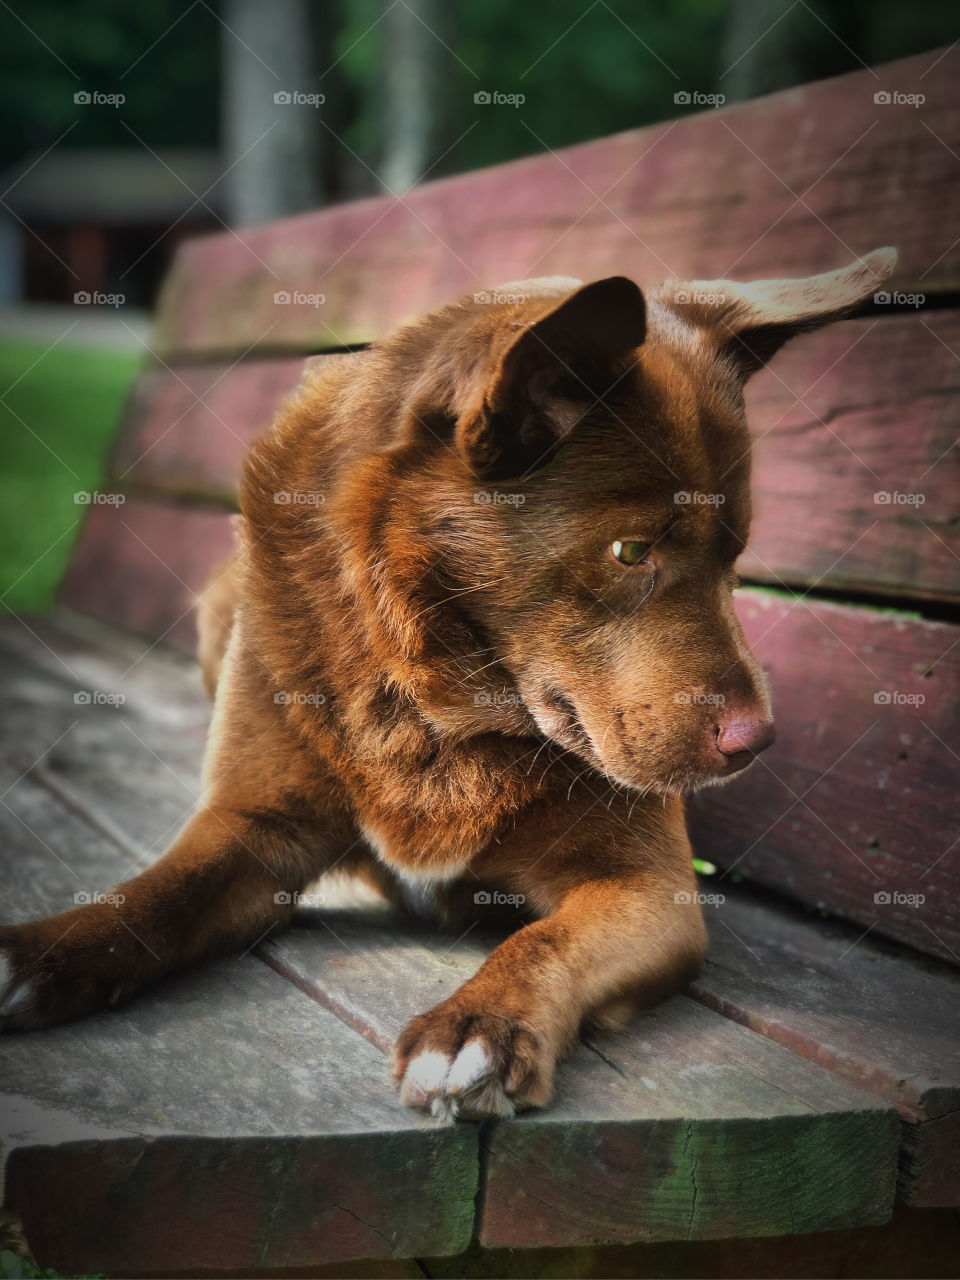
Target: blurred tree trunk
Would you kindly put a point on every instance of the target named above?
(764, 47)
(273, 145)
(418, 77)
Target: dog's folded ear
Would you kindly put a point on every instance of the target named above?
(549, 375)
(750, 322)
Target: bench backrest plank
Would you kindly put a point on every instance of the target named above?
(809, 176)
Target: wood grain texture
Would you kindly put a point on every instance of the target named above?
(916, 1241)
(679, 1130)
(788, 185)
(882, 1021)
(856, 807)
(843, 419)
(140, 566)
(222, 1100)
(127, 758)
(683, 1081)
(186, 430)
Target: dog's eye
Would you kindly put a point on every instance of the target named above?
(630, 552)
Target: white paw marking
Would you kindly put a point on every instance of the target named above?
(11, 1001)
(467, 1086)
(424, 1075)
(469, 1066)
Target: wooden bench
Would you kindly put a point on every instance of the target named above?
(238, 1117)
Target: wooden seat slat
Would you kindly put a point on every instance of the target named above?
(642, 1107)
(206, 1103)
(688, 1114)
(889, 1026)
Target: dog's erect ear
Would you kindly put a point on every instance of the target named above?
(548, 376)
(752, 321)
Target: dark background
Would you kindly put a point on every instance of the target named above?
(398, 77)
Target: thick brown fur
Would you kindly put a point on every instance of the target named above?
(432, 669)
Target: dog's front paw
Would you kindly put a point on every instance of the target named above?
(15, 992)
(60, 968)
(458, 1061)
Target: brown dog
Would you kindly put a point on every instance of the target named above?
(480, 630)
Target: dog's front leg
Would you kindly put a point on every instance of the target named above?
(492, 1046)
(224, 882)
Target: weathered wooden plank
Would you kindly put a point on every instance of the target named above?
(856, 806)
(222, 1101)
(856, 469)
(915, 1240)
(789, 184)
(681, 1130)
(126, 757)
(862, 409)
(141, 564)
(882, 1021)
(186, 430)
(374, 979)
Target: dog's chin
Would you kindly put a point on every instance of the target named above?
(683, 781)
(557, 719)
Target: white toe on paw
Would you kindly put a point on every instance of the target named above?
(14, 999)
(468, 1086)
(423, 1077)
(471, 1064)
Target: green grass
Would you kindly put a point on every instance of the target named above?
(59, 411)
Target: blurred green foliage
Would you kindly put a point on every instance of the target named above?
(586, 67)
(57, 421)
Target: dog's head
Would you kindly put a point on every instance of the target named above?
(585, 497)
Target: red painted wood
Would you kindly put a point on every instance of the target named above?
(186, 430)
(792, 184)
(858, 797)
(865, 408)
(141, 564)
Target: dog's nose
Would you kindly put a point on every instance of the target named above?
(745, 734)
